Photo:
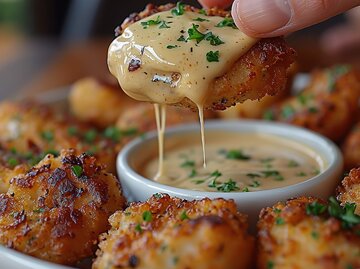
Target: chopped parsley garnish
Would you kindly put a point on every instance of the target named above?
(193, 173)
(195, 34)
(212, 56)
(287, 111)
(227, 22)
(301, 174)
(277, 210)
(237, 155)
(213, 39)
(200, 19)
(179, 9)
(147, 216)
(279, 221)
(270, 265)
(202, 11)
(72, 130)
(335, 73)
(163, 25)
(77, 170)
(214, 176)
(269, 115)
(113, 133)
(245, 189)
(253, 175)
(157, 195)
(12, 162)
(47, 135)
(184, 216)
(171, 46)
(255, 184)
(138, 228)
(344, 213)
(270, 173)
(267, 160)
(90, 136)
(313, 109)
(199, 181)
(188, 163)
(293, 163)
(303, 99)
(314, 235)
(148, 23)
(181, 39)
(228, 186)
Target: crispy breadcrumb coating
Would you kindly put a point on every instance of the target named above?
(300, 234)
(57, 210)
(259, 72)
(166, 232)
(349, 190)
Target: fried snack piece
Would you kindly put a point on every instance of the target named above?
(96, 102)
(260, 71)
(351, 148)
(326, 106)
(301, 234)
(142, 117)
(166, 232)
(58, 209)
(349, 190)
(32, 130)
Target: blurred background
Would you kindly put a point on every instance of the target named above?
(50, 44)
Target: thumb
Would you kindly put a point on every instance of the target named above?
(267, 18)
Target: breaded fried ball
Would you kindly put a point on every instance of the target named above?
(349, 190)
(57, 210)
(328, 106)
(351, 148)
(301, 234)
(96, 102)
(166, 232)
(261, 70)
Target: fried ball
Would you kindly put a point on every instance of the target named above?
(301, 234)
(351, 148)
(142, 117)
(349, 190)
(327, 106)
(260, 71)
(166, 232)
(57, 210)
(96, 102)
(32, 130)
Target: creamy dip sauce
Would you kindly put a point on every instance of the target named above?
(170, 56)
(235, 162)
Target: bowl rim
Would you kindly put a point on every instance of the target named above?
(334, 159)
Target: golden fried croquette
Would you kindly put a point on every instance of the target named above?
(96, 102)
(351, 148)
(32, 130)
(142, 117)
(349, 190)
(57, 210)
(260, 71)
(301, 234)
(166, 232)
(326, 106)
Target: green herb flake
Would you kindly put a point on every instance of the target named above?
(77, 170)
(12, 162)
(212, 56)
(237, 155)
(163, 25)
(214, 175)
(148, 23)
(255, 184)
(194, 33)
(13, 150)
(315, 208)
(253, 175)
(47, 135)
(72, 130)
(270, 265)
(313, 110)
(157, 195)
(277, 210)
(279, 221)
(198, 181)
(227, 22)
(301, 174)
(188, 163)
(292, 163)
(200, 19)
(245, 189)
(138, 228)
(269, 115)
(228, 186)
(287, 111)
(193, 173)
(202, 11)
(181, 39)
(112, 133)
(213, 39)
(90, 136)
(179, 9)
(172, 46)
(315, 235)
(147, 216)
(184, 216)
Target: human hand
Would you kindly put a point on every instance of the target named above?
(267, 18)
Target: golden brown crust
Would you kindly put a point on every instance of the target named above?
(349, 189)
(351, 148)
(327, 106)
(55, 214)
(288, 237)
(179, 234)
(261, 71)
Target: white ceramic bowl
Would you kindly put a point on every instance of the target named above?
(138, 188)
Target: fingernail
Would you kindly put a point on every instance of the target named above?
(261, 16)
